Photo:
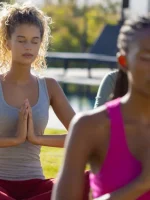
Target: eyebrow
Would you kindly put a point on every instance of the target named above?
(20, 36)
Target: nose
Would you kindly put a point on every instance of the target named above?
(27, 46)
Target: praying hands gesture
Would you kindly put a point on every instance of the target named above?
(21, 132)
(31, 137)
(43, 140)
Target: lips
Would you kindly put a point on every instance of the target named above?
(28, 55)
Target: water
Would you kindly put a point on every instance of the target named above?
(81, 98)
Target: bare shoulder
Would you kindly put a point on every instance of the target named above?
(92, 117)
(91, 123)
(52, 85)
(51, 82)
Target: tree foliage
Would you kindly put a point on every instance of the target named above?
(75, 28)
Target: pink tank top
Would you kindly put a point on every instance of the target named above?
(120, 166)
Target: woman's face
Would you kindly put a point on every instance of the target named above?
(24, 44)
(138, 62)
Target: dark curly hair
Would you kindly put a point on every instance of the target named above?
(127, 36)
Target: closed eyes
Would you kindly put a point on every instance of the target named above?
(33, 42)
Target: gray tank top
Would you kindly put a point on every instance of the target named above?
(22, 162)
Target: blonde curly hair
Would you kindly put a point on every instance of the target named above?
(13, 15)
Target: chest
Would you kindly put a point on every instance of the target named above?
(137, 137)
(11, 99)
(14, 95)
(122, 157)
(132, 143)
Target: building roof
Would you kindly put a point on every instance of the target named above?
(106, 43)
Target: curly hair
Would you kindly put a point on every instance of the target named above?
(13, 15)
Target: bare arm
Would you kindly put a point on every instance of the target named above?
(79, 145)
(131, 191)
(43, 140)
(21, 134)
(64, 112)
(59, 102)
(46, 140)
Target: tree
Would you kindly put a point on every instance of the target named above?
(109, 7)
(8, 1)
(76, 28)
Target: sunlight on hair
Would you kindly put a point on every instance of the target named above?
(8, 22)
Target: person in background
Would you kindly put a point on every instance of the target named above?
(113, 85)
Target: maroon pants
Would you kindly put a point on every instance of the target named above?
(34, 189)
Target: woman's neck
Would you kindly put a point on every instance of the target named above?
(137, 104)
(19, 74)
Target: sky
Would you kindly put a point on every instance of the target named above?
(139, 8)
(78, 1)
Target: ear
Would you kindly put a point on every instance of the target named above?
(122, 60)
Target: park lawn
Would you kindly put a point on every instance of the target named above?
(51, 157)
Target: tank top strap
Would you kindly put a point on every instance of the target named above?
(43, 87)
(117, 132)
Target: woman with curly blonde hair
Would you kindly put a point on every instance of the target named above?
(24, 103)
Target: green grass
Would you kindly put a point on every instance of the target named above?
(51, 158)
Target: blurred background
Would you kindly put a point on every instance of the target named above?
(76, 35)
(83, 44)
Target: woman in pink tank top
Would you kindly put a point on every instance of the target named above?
(114, 138)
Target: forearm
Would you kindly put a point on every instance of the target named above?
(9, 141)
(67, 190)
(50, 140)
(131, 191)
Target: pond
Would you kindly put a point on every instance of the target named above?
(81, 98)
